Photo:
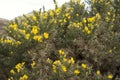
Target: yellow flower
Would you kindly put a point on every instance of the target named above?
(107, 19)
(51, 14)
(46, 35)
(77, 14)
(80, 24)
(24, 77)
(97, 16)
(86, 29)
(91, 19)
(108, 13)
(8, 41)
(33, 64)
(60, 21)
(34, 30)
(45, 15)
(64, 20)
(84, 66)
(84, 20)
(34, 18)
(48, 60)
(66, 14)
(14, 26)
(22, 31)
(38, 38)
(61, 52)
(18, 43)
(11, 78)
(57, 62)
(19, 66)
(69, 17)
(88, 32)
(76, 72)
(24, 24)
(55, 21)
(110, 76)
(110, 51)
(71, 60)
(64, 59)
(12, 71)
(54, 68)
(58, 10)
(27, 36)
(64, 69)
(98, 72)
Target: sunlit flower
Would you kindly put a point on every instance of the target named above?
(64, 69)
(84, 20)
(38, 38)
(110, 76)
(11, 78)
(77, 15)
(51, 13)
(84, 65)
(14, 26)
(88, 32)
(98, 16)
(24, 77)
(66, 14)
(34, 18)
(57, 62)
(71, 60)
(108, 13)
(64, 59)
(61, 52)
(54, 68)
(64, 20)
(12, 71)
(33, 64)
(91, 19)
(27, 36)
(76, 72)
(98, 72)
(110, 51)
(86, 29)
(19, 66)
(34, 30)
(46, 35)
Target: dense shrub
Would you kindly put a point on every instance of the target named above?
(68, 42)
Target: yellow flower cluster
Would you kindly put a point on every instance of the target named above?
(98, 72)
(19, 66)
(33, 64)
(24, 77)
(110, 76)
(76, 72)
(71, 60)
(84, 66)
(87, 30)
(14, 26)
(64, 69)
(46, 35)
(38, 38)
(34, 30)
(62, 63)
(61, 52)
(10, 41)
(12, 71)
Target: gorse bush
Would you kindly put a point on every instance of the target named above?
(67, 43)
